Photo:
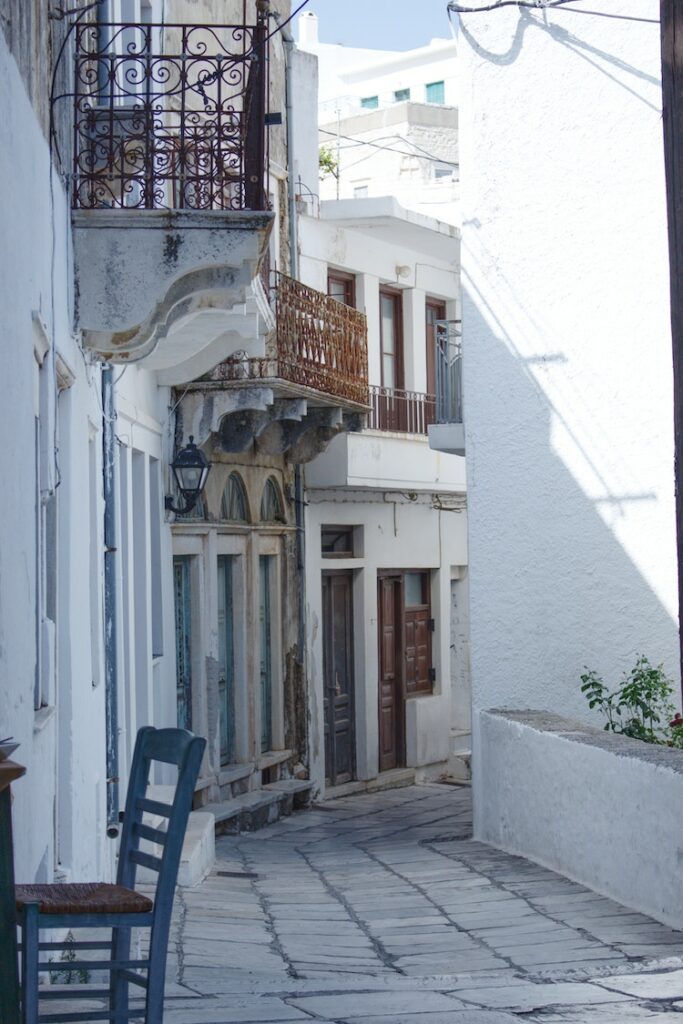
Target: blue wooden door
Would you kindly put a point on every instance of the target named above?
(183, 640)
(226, 660)
(265, 627)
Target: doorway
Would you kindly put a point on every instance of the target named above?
(390, 683)
(226, 660)
(338, 677)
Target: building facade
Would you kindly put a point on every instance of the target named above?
(566, 331)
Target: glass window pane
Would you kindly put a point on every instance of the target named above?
(388, 326)
(434, 92)
(388, 371)
(414, 592)
(401, 95)
(370, 102)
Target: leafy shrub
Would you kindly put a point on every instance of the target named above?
(641, 707)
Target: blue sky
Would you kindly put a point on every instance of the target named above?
(379, 24)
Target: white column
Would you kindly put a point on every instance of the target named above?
(367, 300)
(414, 339)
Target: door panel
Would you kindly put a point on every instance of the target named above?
(265, 627)
(434, 311)
(390, 683)
(183, 640)
(338, 677)
(226, 660)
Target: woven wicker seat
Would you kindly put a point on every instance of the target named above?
(83, 898)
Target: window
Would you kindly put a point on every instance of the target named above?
(443, 171)
(401, 95)
(369, 102)
(360, 191)
(391, 339)
(434, 92)
(234, 501)
(272, 510)
(342, 287)
(336, 541)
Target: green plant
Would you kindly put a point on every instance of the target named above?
(64, 975)
(327, 162)
(640, 707)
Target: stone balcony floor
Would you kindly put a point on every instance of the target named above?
(379, 909)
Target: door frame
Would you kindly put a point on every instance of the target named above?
(396, 295)
(347, 574)
(400, 737)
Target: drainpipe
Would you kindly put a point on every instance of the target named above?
(110, 623)
(294, 272)
(291, 194)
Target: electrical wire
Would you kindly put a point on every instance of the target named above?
(544, 5)
(389, 149)
(540, 5)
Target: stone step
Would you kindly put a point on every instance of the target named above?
(296, 793)
(247, 812)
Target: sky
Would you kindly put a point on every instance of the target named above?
(379, 24)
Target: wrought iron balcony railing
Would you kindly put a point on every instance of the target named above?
(448, 372)
(319, 343)
(170, 116)
(408, 412)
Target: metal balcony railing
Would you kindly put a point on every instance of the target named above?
(448, 342)
(319, 343)
(408, 412)
(170, 116)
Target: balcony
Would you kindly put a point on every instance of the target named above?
(311, 384)
(405, 412)
(168, 183)
(447, 434)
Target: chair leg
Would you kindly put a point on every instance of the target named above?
(29, 963)
(156, 974)
(118, 986)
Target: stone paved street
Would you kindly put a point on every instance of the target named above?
(379, 909)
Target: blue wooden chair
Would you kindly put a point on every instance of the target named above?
(117, 907)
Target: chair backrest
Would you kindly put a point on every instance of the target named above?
(171, 746)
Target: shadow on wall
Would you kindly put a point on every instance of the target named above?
(552, 588)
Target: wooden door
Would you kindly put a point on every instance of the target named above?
(417, 626)
(226, 660)
(338, 680)
(183, 640)
(265, 638)
(390, 683)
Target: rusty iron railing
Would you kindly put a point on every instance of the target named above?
(407, 412)
(170, 116)
(319, 343)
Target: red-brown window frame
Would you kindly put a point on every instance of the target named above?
(348, 282)
(397, 298)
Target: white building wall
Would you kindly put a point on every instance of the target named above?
(397, 533)
(567, 353)
(61, 744)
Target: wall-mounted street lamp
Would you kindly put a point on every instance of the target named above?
(190, 469)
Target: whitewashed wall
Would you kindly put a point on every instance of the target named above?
(62, 744)
(402, 534)
(567, 353)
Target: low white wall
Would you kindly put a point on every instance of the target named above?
(600, 808)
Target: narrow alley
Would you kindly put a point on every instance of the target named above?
(380, 909)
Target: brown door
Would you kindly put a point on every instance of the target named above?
(434, 311)
(417, 633)
(338, 677)
(391, 696)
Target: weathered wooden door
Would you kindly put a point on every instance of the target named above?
(226, 660)
(265, 626)
(390, 683)
(417, 625)
(338, 679)
(183, 640)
